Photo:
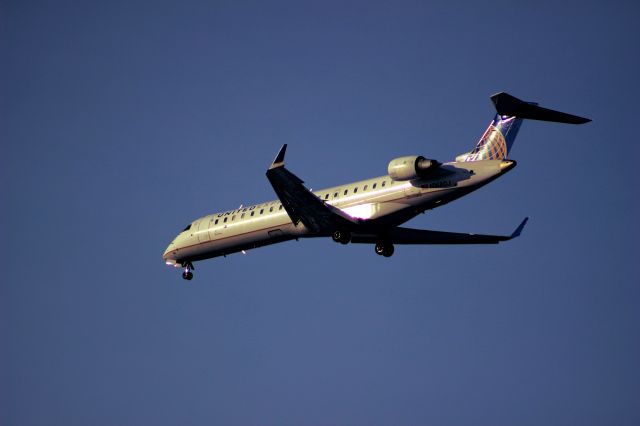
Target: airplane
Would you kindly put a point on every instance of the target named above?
(368, 211)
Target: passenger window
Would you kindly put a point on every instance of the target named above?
(252, 213)
(383, 183)
(335, 195)
(270, 209)
(345, 191)
(280, 208)
(365, 187)
(374, 185)
(225, 219)
(261, 211)
(216, 222)
(326, 196)
(355, 190)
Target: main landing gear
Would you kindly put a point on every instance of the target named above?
(384, 248)
(342, 237)
(187, 274)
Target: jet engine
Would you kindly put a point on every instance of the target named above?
(411, 167)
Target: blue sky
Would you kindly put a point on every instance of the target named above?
(124, 121)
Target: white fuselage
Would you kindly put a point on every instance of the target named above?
(382, 200)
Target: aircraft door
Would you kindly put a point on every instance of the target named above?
(203, 230)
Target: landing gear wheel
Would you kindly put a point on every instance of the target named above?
(187, 274)
(342, 237)
(384, 249)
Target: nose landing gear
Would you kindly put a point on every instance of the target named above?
(187, 274)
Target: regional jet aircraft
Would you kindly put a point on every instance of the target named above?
(368, 211)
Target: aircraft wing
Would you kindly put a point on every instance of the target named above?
(303, 205)
(423, 236)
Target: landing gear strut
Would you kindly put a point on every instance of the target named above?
(187, 274)
(342, 237)
(384, 248)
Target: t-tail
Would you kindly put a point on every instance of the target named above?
(497, 140)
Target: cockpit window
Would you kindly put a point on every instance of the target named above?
(187, 228)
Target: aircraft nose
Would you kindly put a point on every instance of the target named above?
(168, 256)
(507, 165)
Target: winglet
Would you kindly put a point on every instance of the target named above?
(279, 160)
(518, 230)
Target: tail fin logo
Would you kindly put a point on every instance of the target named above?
(492, 145)
(497, 140)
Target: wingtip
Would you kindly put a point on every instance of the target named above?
(519, 229)
(279, 160)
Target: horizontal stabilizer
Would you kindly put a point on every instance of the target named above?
(508, 105)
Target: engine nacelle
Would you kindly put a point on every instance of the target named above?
(411, 167)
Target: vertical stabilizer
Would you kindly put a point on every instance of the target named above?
(497, 140)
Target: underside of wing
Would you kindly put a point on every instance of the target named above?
(423, 236)
(303, 205)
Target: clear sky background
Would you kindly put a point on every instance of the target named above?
(122, 121)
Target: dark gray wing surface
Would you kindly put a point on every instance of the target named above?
(422, 236)
(303, 205)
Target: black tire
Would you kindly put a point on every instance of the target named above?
(384, 249)
(187, 275)
(342, 237)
